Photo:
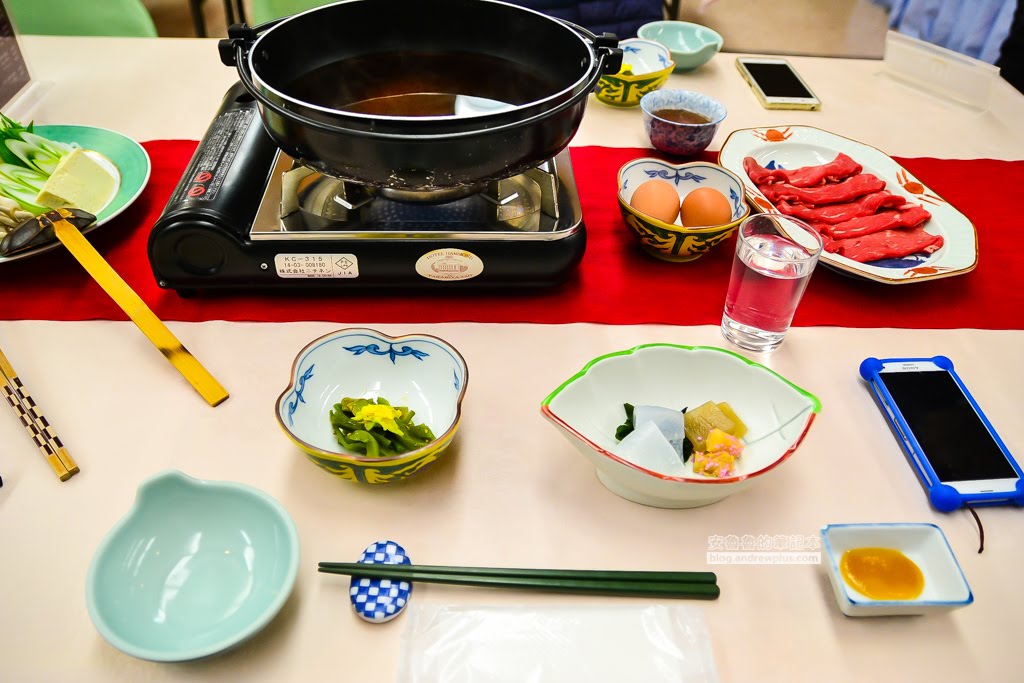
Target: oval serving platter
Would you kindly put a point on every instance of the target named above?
(794, 146)
(110, 149)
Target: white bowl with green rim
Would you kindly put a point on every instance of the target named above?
(588, 406)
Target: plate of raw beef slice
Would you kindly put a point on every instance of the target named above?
(876, 220)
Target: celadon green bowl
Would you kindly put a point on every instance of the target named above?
(194, 568)
(691, 45)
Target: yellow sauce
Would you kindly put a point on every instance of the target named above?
(881, 573)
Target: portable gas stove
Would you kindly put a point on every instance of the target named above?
(246, 215)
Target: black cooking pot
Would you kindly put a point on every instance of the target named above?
(419, 96)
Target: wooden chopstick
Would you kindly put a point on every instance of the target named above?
(589, 586)
(575, 574)
(136, 309)
(35, 423)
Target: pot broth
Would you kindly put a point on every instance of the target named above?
(417, 84)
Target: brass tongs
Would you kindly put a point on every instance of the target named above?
(65, 225)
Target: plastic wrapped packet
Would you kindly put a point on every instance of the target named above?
(556, 644)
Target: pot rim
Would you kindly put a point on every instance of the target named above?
(569, 91)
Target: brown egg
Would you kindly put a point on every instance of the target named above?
(705, 206)
(657, 199)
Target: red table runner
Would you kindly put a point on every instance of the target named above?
(616, 283)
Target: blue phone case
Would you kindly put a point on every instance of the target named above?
(943, 497)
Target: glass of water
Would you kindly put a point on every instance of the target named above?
(775, 256)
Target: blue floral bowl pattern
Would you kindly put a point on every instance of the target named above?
(671, 241)
(646, 65)
(691, 45)
(420, 371)
(194, 568)
(681, 139)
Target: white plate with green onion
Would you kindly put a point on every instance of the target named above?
(31, 153)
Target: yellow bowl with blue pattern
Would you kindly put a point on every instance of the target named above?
(420, 371)
(646, 65)
(672, 241)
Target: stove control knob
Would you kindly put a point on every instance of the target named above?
(200, 254)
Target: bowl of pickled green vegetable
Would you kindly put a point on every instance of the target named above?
(373, 408)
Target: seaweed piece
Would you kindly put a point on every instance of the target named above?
(627, 427)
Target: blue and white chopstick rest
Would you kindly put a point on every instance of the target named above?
(380, 600)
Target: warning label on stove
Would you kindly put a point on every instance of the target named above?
(317, 265)
(449, 264)
(210, 165)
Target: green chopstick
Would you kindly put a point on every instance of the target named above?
(576, 574)
(586, 585)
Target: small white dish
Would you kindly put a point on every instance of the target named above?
(795, 146)
(945, 586)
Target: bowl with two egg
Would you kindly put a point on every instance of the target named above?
(680, 211)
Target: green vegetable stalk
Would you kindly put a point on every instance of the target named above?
(26, 162)
(376, 428)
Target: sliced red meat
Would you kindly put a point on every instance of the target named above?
(758, 173)
(826, 241)
(884, 220)
(837, 213)
(806, 176)
(834, 193)
(886, 244)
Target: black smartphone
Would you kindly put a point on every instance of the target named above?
(956, 451)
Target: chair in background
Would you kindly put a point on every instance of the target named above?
(265, 10)
(82, 18)
(234, 12)
(621, 17)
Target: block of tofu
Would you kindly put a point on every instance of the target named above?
(78, 181)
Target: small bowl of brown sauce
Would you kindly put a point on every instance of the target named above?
(893, 569)
(681, 122)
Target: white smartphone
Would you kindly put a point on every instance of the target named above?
(776, 84)
(947, 428)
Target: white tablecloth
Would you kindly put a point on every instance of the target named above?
(512, 492)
